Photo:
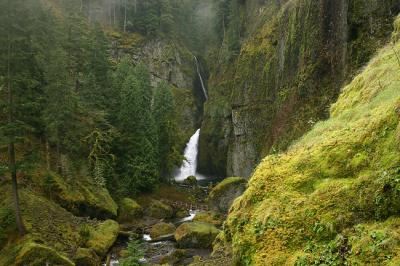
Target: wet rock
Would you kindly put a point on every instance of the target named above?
(162, 229)
(181, 213)
(159, 210)
(196, 235)
(129, 210)
(86, 257)
(222, 195)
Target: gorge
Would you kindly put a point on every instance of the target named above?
(185, 132)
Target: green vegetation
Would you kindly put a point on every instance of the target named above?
(133, 254)
(332, 197)
(195, 235)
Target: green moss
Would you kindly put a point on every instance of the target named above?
(162, 229)
(35, 254)
(83, 197)
(103, 237)
(157, 209)
(330, 197)
(222, 195)
(86, 257)
(129, 210)
(209, 217)
(195, 235)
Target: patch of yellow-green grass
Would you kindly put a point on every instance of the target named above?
(303, 207)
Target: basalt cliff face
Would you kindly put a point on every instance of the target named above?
(294, 58)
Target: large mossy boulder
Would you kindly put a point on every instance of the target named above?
(159, 210)
(34, 254)
(83, 197)
(222, 195)
(103, 237)
(129, 210)
(190, 181)
(86, 257)
(196, 235)
(162, 229)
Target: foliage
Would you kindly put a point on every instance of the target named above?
(134, 253)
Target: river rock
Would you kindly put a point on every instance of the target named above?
(103, 237)
(222, 195)
(196, 235)
(159, 210)
(162, 229)
(209, 217)
(190, 181)
(86, 257)
(129, 210)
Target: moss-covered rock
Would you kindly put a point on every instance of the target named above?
(86, 257)
(222, 195)
(190, 180)
(83, 197)
(34, 254)
(196, 235)
(209, 217)
(159, 210)
(129, 210)
(161, 229)
(103, 237)
(333, 197)
(181, 213)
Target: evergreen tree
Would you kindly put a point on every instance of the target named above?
(167, 129)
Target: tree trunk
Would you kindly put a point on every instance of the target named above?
(124, 15)
(48, 156)
(11, 149)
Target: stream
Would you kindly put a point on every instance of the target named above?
(154, 251)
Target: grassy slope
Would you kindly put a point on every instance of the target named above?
(334, 196)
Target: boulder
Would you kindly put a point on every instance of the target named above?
(222, 195)
(181, 213)
(129, 210)
(86, 257)
(196, 235)
(159, 210)
(190, 180)
(103, 237)
(162, 229)
(209, 217)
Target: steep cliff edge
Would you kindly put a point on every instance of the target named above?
(333, 197)
(167, 62)
(296, 57)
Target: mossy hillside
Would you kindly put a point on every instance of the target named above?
(289, 71)
(51, 229)
(333, 196)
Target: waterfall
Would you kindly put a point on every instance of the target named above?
(200, 77)
(189, 165)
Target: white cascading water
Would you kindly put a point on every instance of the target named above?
(201, 78)
(189, 165)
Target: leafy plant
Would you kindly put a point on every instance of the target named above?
(134, 253)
